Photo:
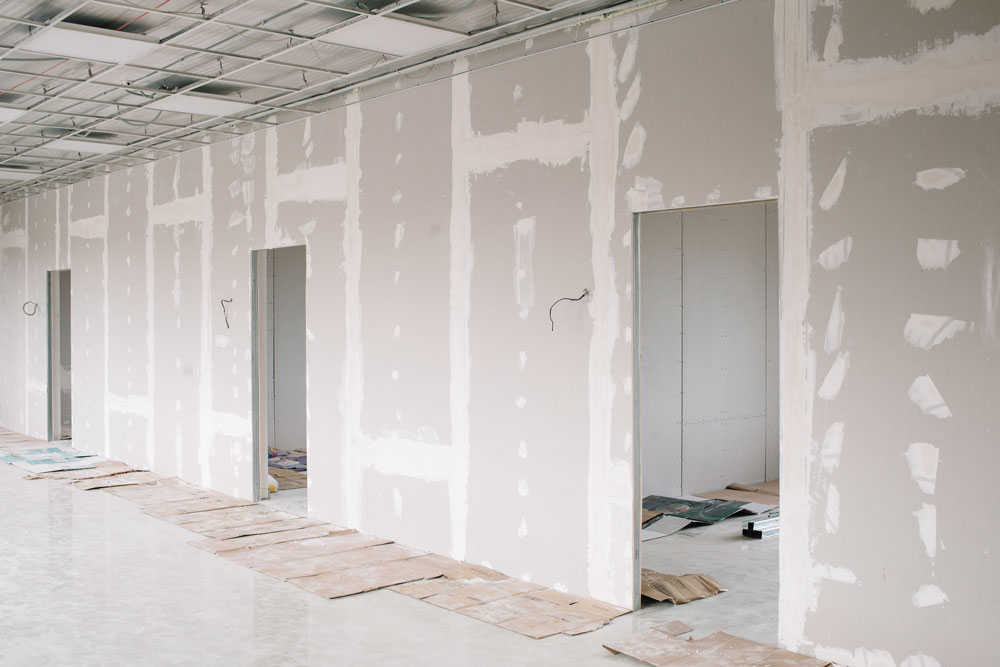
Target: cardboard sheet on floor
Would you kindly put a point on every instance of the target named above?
(283, 552)
(228, 517)
(262, 528)
(372, 577)
(49, 459)
(119, 479)
(763, 497)
(700, 511)
(220, 546)
(339, 561)
(665, 525)
(655, 647)
(519, 606)
(678, 589)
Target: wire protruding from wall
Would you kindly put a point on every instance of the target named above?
(225, 315)
(586, 293)
(34, 308)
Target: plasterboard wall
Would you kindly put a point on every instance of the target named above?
(440, 222)
(289, 285)
(889, 357)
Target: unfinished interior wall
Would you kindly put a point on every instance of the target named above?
(707, 375)
(889, 297)
(442, 215)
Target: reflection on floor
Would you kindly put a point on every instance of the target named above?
(748, 568)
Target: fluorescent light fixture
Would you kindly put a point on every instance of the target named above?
(78, 146)
(8, 114)
(17, 174)
(390, 36)
(93, 44)
(202, 106)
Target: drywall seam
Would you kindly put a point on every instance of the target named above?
(796, 357)
(205, 407)
(150, 321)
(14, 239)
(406, 458)
(460, 288)
(352, 391)
(962, 77)
(187, 209)
(105, 262)
(94, 227)
(315, 184)
(602, 156)
(554, 143)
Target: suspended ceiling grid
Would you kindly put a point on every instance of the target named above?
(92, 86)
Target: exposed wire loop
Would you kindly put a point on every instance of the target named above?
(225, 315)
(34, 310)
(586, 293)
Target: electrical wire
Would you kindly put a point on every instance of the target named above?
(586, 293)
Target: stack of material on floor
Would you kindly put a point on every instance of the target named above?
(678, 590)
(762, 527)
(763, 494)
(287, 460)
(525, 608)
(48, 459)
(658, 647)
(288, 479)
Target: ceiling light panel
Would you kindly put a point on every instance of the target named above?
(201, 106)
(16, 175)
(78, 146)
(8, 114)
(86, 45)
(390, 36)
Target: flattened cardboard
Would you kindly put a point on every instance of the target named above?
(198, 505)
(678, 590)
(217, 546)
(336, 562)
(765, 494)
(660, 649)
(262, 528)
(123, 479)
(283, 552)
(371, 577)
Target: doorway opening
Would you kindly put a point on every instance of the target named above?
(60, 356)
(706, 418)
(279, 360)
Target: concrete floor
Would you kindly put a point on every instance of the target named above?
(89, 579)
(289, 500)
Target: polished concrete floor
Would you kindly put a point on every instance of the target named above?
(86, 578)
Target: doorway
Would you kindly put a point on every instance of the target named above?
(706, 392)
(60, 356)
(279, 359)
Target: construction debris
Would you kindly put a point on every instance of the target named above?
(678, 590)
(763, 496)
(762, 527)
(657, 647)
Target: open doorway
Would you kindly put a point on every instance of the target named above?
(706, 388)
(60, 357)
(279, 357)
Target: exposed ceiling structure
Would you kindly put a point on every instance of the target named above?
(92, 86)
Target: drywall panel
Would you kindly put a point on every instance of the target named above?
(404, 283)
(177, 177)
(65, 353)
(906, 28)
(40, 255)
(504, 97)
(771, 313)
(12, 298)
(661, 347)
(129, 403)
(528, 421)
(697, 107)
(907, 379)
(88, 327)
(718, 453)
(289, 341)
(177, 290)
(408, 510)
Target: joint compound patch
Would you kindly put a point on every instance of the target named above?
(939, 178)
(836, 254)
(925, 395)
(834, 188)
(929, 595)
(936, 253)
(926, 331)
(923, 460)
(835, 377)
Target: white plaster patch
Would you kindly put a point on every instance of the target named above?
(518, 92)
(834, 38)
(677, 201)
(631, 97)
(628, 56)
(836, 254)
(925, 395)
(864, 657)
(395, 375)
(763, 192)
(634, 147)
(645, 195)
(920, 660)
(936, 253)
(397, 502)
(822, 572)
(524, 250)
(400, 233)
(834, 188)
(835, 377)
(627, 238)
(929, 595)
(927, 525)
(522, 488)
(833, 445)
(522, 359)
(395, 331)
(714, 196)
(991, 298)
(521, 402)
(923, 460)
(399, 121)
(832, 514)
(939, 178)
(924, 6)
(397, 197)
(522, 528)
(522, 449)
(926, 331)
(835, 325)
